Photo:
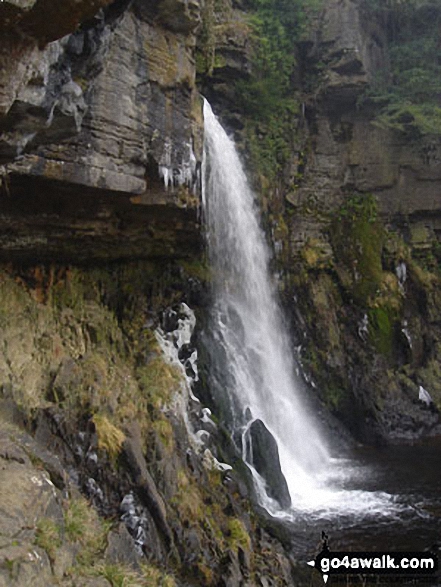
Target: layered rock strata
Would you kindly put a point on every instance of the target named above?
(101, 133)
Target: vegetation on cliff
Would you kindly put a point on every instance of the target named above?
(80, 363)
(268, 97)
(265, 97)
(409, 93)
(369, 305)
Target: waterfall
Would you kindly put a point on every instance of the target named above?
(250, 347)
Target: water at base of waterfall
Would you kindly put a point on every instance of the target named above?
(388, 499)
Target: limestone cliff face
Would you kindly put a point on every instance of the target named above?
(348, 152)
(365, 279)
(101, 129)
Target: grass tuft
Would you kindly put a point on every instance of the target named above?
(84, 526)
(122, 576)
(159, 380)
(164, 430)
(238, 535)
(48, 536)
(110, 438)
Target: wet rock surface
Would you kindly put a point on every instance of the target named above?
(91, 412)
(364, 349)
(100, 152)
(101, 124)
(265, 458)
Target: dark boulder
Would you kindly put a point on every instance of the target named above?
(265, 459)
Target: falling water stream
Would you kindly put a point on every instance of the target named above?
(252, 361)
(246, 317)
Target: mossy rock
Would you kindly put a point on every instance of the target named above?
(430, 379)
(381, 329)
(357, 239)
(316, 254)
(238, 535)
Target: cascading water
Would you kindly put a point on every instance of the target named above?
(253, 372)
(248, 328)
(249, 350)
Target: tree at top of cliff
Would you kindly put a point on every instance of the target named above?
(411, 93)
(268, 96)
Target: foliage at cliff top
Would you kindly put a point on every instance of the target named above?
(410, 93)
(268, 96)
(278, 25)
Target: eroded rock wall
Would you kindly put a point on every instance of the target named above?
(95, 418)
(102, 128)
(363, 211)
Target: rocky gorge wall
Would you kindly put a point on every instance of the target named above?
(100, 151)
(364, 222)
(96, 419)
(95, 127)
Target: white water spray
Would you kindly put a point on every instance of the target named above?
(251, 357)
(248, 327)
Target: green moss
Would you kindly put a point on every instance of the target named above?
(201, 505)
(219, 61)
(201, 63)
(279, 227)
(164, 430)
(335, 395)
(188, 499)
(357, 238)
(426, 255)
(159, 380)
(238, 535)
(430, 378)
(381, 329)
(198, 269)
(216, 17)
(361, 246)
(315, 255)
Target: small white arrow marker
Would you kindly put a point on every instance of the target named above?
(311, 563)
(325, 578)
